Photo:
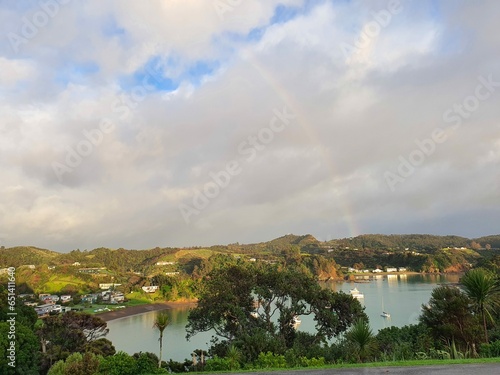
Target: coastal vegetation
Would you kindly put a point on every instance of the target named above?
(251, 296)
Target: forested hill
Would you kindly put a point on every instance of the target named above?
(367, 248)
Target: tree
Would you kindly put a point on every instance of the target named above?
(449, 316)
(62, 335)
(161, 322)
(26, 354)
(483, 289)
(252, 306)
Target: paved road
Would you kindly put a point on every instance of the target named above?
(472, 369)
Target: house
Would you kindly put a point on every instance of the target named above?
(117, 297)
(172, 273)
(108, 285)
(90, 298)
(43, 296)
(76, 264)
(66, 298)
(43, 310)
(165, 263)
(402, 269)
(392, 269)
(377, 270)
(150, 289)
(350, 269)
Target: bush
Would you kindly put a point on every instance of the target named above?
(218, 364)
(490, 350)
(119, 364)
(146, 363)
(270, 360)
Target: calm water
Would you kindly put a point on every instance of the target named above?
(399, 295)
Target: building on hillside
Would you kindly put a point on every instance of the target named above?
(66, 298)
(76, 264)
(150, 289)
(164, 263)
(108, 285)
(392, 269)
(402, 269)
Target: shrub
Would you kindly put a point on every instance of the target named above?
(270, 360)
(119, 364)
(218, 364)
(490, 350)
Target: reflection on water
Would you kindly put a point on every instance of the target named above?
(400, 295)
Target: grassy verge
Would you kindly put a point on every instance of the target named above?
(411, 363)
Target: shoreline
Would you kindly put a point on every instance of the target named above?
(142, 309)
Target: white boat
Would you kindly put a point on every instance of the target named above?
(355, 293)
(385, 314)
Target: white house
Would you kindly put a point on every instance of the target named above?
(150, 289)
(402, 269)
(392, 269)
(377, 270)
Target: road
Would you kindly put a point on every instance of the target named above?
(471, 369)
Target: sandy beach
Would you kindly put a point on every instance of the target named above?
(141, 309)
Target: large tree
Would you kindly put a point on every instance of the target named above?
(449, 316)
(72, 332)
(253, 306)
(483, 289)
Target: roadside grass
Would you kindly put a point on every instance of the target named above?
(410, 363)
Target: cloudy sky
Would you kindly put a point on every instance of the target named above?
(197, 122)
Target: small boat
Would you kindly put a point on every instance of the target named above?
(385, 314)
(355, 293)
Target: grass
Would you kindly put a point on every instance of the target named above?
(411, 363)
(138, 298)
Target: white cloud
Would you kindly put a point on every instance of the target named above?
(323, 173)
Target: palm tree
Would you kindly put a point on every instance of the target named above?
(361, 335)
(484, 290)
(161, 322)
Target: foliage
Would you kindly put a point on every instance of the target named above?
(449, 316)
(76, 364)
(270, 360)
(146, 363)
(483, 288)
(490, 350)
(402, 343)
(26, 350)
(68, 333)
(361, 336)
(253, 306)
(161, 322)
(119, 364)
(218, 364)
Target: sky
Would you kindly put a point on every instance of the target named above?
(182, 123)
